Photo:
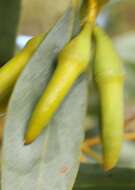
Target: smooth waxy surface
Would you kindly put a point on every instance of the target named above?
(10, 72)
(73, 60)
(112, 114)
(109, 76)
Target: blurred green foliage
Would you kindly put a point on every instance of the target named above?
(9, 17)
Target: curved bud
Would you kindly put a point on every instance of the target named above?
(11, 71)
(109, 76)
(73, 60)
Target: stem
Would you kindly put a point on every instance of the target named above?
(92, 11)
(91, 153)
(129, 120)
(93, 141)
(129, 136)
(83, 159)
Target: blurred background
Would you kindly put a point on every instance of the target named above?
(39, 15)
(118, 19)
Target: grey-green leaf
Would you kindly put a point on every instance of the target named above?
(52, 161)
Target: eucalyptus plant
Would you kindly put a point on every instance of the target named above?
(44, 92)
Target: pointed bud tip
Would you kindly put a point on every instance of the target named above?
(109, 165)
(27, 140)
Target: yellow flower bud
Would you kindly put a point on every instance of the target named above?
(109, 76)
(73, 60)
(10, 72)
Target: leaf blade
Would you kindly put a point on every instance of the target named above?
(34, 166)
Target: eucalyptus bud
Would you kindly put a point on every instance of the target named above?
(109, 77)
(10, 72)
(73, 60)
